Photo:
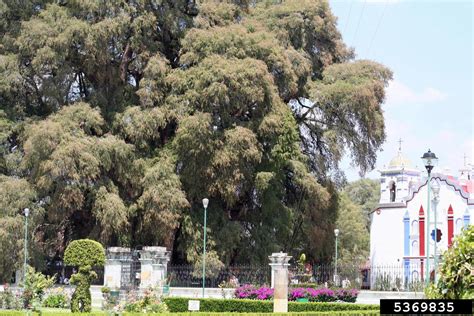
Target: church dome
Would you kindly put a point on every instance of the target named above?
(399, 161)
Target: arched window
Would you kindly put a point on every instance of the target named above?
(414, 228)
(415, 249)
(393, 191)
(459, 225)
(415, 276)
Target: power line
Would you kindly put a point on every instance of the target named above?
(376, 29)
(358, 23)
(348, 16)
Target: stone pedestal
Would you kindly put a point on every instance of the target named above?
(116, 258)
(279, 264)
(153, 262)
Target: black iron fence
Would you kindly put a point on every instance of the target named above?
(399, 277)
(63, 273)
(395, 277)
(189, 276)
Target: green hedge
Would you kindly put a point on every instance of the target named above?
(61, 313)
(178, 304)
(84, 252)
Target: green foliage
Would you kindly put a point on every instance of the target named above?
(431, 292)
(366, 194)
(149, 302)
(83, 253)
(81, 298)
(356, 201)
(455, 273)
(358, 312)
(15, 195)
(354, 236)
(117, 118)
(110, 299)
(56, 301)
(247, 306)
(35, 285)
(8, 300)
(146, 307)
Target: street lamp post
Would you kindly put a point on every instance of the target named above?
(205, 203)
(336, 233)
(27, 213)
(435, 187)
(429, 160)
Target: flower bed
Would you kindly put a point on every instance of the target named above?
(251, 292)
(248, 291)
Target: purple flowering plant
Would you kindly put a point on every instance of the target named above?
(313, 295)
(347, 295)
(248, 291)
(297, 293)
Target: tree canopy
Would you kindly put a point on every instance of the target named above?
(120, 116)
(357, 200)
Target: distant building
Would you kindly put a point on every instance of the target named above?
(399, 224)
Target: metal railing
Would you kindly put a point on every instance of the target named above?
(188, 276)
(394, 277)
(398, 277)
(63, 274)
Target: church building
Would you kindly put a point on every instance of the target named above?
(399, 225)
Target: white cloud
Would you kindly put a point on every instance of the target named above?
(397, 92)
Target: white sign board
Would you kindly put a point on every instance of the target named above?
(193, 305)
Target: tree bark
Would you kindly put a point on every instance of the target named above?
(127, 55)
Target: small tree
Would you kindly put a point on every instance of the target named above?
(35, 285)
(85, 254)
(456, 277)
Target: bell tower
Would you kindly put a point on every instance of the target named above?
(398, 180)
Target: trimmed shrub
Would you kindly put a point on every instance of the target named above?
(81, 298)
(330, 306)
(84, 252)
(359, 312)
(178, 304)
(305, 285)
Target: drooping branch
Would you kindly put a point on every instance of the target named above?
(126, 58)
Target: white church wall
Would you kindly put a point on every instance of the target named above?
(386, 239)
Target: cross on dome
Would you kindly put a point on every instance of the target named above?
(399, 161)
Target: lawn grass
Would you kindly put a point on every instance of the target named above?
(63, 312)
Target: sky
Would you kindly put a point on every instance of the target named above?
(429, 47)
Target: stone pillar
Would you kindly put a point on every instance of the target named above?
(279, 264)
(116, 257)
(153, 262)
